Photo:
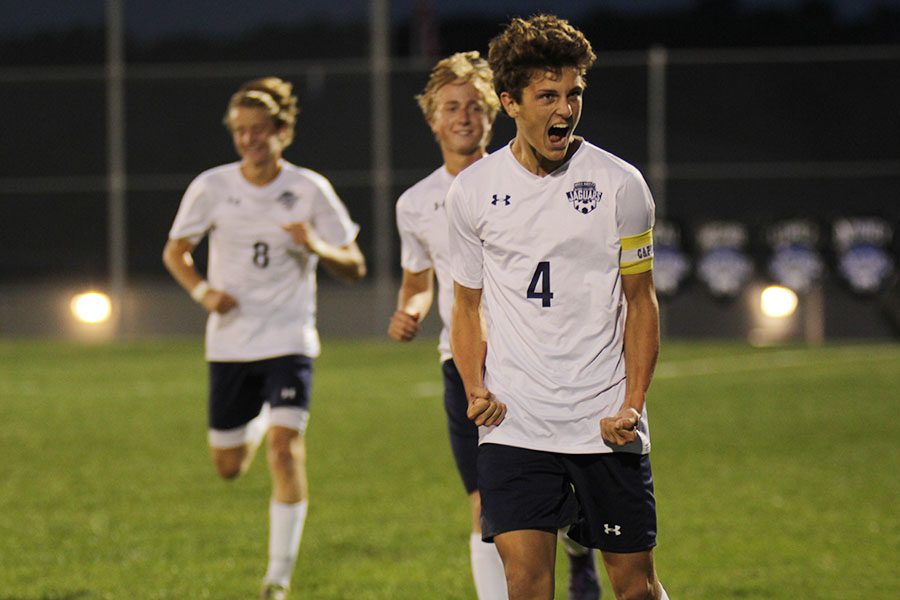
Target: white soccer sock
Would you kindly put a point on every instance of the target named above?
(285, 530)
(662, 593)
(487, 569)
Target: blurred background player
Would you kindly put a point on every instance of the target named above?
(269, 223)
(558, 351)
(459, 105)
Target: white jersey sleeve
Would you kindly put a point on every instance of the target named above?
(466, 257)
(634, 220)
(195, 214)
(330, 217)
(414, 254)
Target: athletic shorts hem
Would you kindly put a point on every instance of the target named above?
(289, 417)
(619, 551)
(552, 528)
(226, 439)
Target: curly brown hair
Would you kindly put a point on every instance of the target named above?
(541, 42)
(273, 94)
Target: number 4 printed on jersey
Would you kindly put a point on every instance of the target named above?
(541, 277)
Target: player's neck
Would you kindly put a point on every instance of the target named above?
(262, 173)
(455, 162)
(533, 161)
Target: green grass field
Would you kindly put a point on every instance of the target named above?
(776, 474)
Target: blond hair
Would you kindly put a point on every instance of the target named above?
(467, 67)
(272, 94)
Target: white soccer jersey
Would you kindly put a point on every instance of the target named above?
(548, 253)
(252, 258)
(422, 223)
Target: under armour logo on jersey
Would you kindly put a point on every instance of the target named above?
(234, 201)
(617, 530)
(287, 199)
(584, 196)
(439, 204)
(288, 393)
(505, 201)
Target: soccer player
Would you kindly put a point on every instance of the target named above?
(459, 105)
(269, 224)
(555, 325)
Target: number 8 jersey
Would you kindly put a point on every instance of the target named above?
(252, 258)
(548, 253)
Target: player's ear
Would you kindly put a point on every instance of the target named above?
(509, 104)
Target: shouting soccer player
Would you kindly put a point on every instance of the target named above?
(555, 324)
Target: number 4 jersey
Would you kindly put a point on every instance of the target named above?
(252, 258)
(548, 253)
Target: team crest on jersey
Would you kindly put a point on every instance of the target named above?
(287, 199)
(584, 196)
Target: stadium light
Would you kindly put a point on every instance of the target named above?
(778, 302)
(91, 307)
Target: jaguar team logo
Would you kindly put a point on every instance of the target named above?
(584, 196)
(287, 200)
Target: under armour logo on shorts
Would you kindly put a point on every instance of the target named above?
(608, 530)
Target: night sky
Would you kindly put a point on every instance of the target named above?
(165, 17)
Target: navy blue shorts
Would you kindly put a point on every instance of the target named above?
(463, 432)
(238, 390)
(606, 498)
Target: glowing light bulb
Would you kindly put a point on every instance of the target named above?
(776, 301)
(91, 307)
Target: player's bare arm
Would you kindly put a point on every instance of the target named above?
(413, 303)
(467, 338)
(345, 262)
(641, 352)
(179, 261)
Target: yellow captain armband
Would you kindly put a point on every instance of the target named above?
(637, 253)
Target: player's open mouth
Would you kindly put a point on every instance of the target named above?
(558, 133)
